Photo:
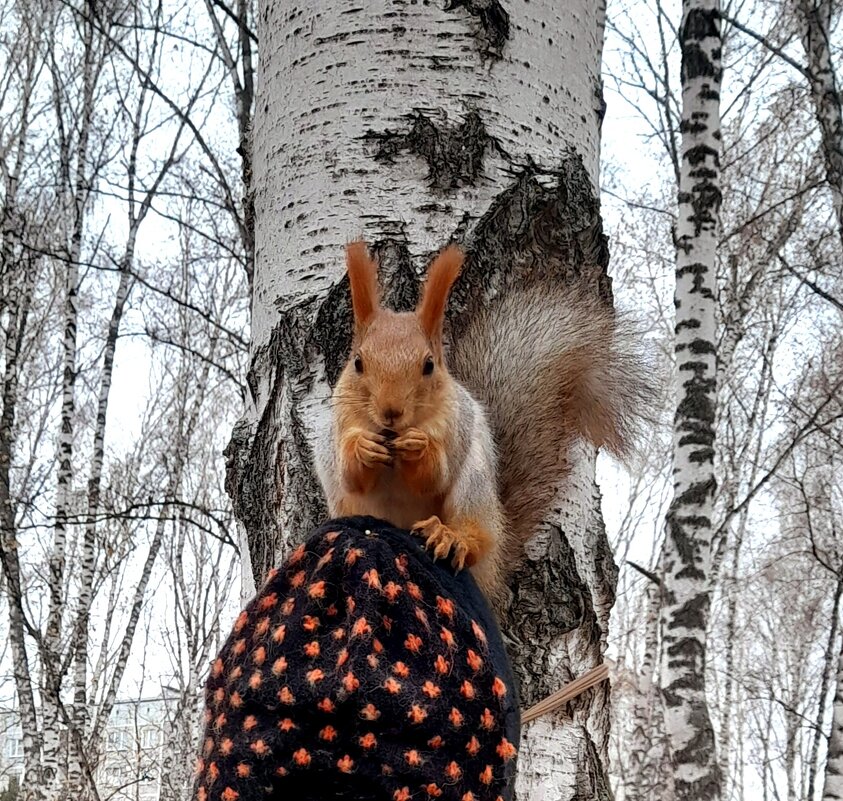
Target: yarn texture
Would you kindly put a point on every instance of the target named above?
(362, 669)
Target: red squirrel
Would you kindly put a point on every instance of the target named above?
(468, 452)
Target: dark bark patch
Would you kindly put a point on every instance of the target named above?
(333, 329)
(400, 285)
(698, 494)
(699, 24)
(453, 153)
(697, 270)
(545, 226)
(493, 21)
(262, 466)
(548, 600)
(592, 783)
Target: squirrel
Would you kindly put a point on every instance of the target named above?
(468, 451)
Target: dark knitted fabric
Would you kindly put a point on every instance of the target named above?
(361, 670)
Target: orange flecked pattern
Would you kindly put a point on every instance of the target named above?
(361, 670)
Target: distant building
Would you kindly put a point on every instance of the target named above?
(133, 750)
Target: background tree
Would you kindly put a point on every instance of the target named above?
(688, 541)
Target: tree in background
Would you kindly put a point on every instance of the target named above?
(687, 557)
(777, 306)
(97, 162)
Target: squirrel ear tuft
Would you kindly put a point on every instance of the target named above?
(363, 277)
(440, 277)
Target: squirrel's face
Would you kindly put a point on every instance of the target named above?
(395, 373)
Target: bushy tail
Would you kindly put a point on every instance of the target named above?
(550, 366)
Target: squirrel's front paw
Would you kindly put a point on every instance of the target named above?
(411, 445)
(371, 451)
(442, 541)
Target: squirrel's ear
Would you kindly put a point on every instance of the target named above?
(363, 277)
(440, 277)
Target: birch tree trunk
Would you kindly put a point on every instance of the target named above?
(77, 190)
(828, 670)
(413, 125)
(648, 779)
(688, 544)
(827, 96)
(19, 272)
(833, 785)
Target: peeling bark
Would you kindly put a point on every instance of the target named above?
(493, 20)
(688, 545)
(429, 144)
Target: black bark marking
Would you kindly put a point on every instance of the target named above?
(698, 270)
(700, 24)
(592, 784)
(493, 19)
(453, 154)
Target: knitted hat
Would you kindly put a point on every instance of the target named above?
(361, 670)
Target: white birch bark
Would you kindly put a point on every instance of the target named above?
(78, 192)
(822, 699)
(817, 27)
(648, 780)
(412, 125)
(688, 544)
(833, 783)
(19, 273)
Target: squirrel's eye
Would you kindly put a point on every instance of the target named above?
(428, 365)
(358, 364)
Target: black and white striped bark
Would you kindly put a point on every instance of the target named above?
(18, 302)
(688, 542)
(413, 125)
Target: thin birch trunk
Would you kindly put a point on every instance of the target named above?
(436, 124)
(816, 18)
(21, 272)
(18, 304)
(645, 781)
(833, 784)
(688, 544)
(186, 427)
(81, 698)
(51, 700)
(136, 214)
(828, 669)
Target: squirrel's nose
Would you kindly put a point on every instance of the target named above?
(391, 415)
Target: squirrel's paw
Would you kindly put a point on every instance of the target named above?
(371, 451)
(411, 445)
(442, 541)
